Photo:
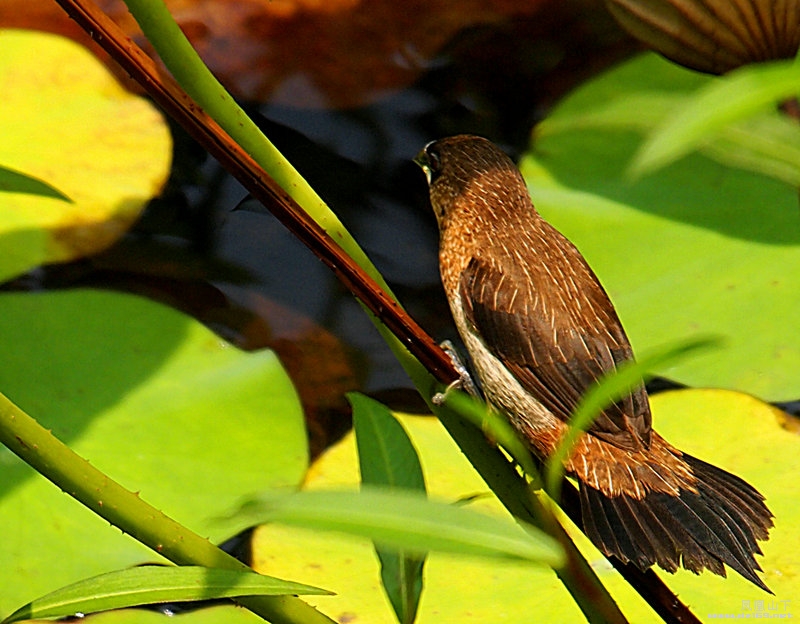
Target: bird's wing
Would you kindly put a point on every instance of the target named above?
(553, 359)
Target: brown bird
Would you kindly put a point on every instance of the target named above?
(540, 330)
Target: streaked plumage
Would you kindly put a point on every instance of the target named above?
(540, 331)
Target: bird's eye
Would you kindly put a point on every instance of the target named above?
(430, 160)
(434, 160)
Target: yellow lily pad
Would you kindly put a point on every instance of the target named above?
(732, 430)
(67, 121)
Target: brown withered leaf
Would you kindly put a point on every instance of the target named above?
(714, 36)
(332, 53)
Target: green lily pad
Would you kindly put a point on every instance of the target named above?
(67, 122)
(700, 247)
(152, 398)
(752, 443)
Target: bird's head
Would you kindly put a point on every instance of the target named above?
(470, 175)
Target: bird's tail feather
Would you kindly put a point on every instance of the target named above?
(719, 524)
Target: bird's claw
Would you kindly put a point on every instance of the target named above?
(464, 381)
(440, 397)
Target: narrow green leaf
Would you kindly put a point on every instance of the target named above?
(609, 389)
(496, 428)
(388, 458)
(385, 453)
(16, 182)
(765, 144)
(401, 577)
(724, 101)
(155, 584)
(406, 521)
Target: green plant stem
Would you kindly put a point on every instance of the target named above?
(124, 509)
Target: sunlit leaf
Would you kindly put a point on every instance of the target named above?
(67, 121)
(768, 144)
(386, 455)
